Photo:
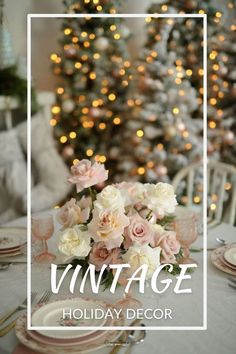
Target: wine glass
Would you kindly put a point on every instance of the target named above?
(42, 229)
(186, 233)
(128, 301)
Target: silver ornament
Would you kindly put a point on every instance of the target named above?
(68, 106)
(101, 43)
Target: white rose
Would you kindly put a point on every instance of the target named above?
(74, 242)
(109, 198)
(158, 229)
(160, 198)
(138, 192)
(132, 193)
(138, 255)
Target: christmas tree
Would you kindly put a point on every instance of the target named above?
(165, 128)
(168, 112)
(222, 90)
(221, 68)
(186, 40)
(94, 69)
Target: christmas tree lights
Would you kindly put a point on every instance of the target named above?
(95, 72)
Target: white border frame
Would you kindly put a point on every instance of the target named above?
(174, 328)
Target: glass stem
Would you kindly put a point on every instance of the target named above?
(186, 252)
(45, 246)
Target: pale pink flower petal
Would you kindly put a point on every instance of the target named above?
(100, 255)
(139, 230)
(170, 247)
(85, 175)
(108, 226)
(70, 214)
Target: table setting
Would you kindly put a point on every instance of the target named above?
(219, 284)
(56, 239)
(52, 342)
(224, 258)
(12, 243)
(117, 177)
(67, 341)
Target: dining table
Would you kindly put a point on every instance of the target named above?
(218, 338)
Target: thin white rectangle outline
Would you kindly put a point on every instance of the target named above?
(174, 328)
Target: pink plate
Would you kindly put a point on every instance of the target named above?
(50, 314)
(12, 238)
(228, 264)
(11, 250)
(216, 259)
(10, 254)
(23, 336)
(88, 339)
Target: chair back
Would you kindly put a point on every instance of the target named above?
(221, 186)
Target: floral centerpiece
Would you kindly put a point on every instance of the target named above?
(123, 223)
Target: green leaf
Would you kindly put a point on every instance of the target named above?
(107, 280)
(195, 250)
(176, 269)
(166, 220)
(82, 262)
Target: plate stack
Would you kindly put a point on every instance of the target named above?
(66, 341)
(224, 258)
(12, 241)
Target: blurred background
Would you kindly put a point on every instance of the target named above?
(127, 93)
(45, 37)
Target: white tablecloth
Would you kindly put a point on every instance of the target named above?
(218, 339)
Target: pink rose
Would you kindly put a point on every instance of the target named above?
(139, 230)
(108, 226)
(100, 255)
(158, 231)
(85, 175)
(71, 214)
(170, 247)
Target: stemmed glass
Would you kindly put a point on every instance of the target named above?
(128, 301)
(42, 229)
(186, 233)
